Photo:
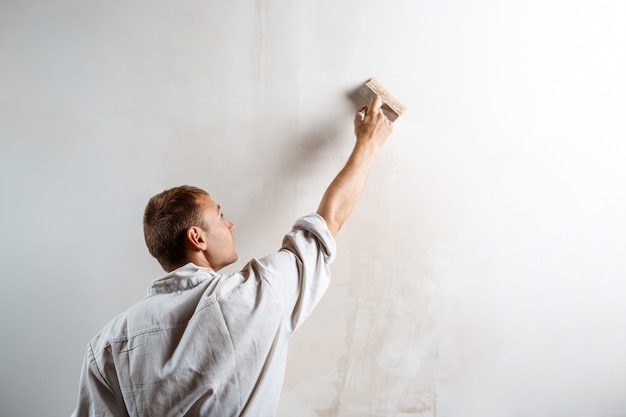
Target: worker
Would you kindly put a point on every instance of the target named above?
(206, 344)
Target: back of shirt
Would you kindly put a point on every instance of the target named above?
(202, 344)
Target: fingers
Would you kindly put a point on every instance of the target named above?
(376, 103)
(360, 113)
(374, 107)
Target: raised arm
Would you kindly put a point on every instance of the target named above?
(343, 192)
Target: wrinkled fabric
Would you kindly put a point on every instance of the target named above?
(205, 344)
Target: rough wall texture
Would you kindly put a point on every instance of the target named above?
(482, 273)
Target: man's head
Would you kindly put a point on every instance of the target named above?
(183, 224)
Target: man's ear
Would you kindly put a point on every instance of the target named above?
(196, 238)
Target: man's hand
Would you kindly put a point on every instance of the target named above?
(372, 128)
(371, 124)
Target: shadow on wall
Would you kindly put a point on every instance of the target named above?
(297, 159)
(297, 173)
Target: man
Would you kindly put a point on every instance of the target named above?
(205, 344)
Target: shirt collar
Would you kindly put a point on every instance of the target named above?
(186, 277)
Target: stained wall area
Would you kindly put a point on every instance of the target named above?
(483, 271)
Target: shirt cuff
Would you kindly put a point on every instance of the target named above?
(315, 224)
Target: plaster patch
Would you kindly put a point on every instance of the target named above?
(399, 358)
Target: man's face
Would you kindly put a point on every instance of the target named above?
(220, 250)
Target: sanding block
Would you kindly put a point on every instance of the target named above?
(391, 106)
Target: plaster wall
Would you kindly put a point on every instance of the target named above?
(483, 271)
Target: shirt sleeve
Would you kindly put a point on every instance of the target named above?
(299, 273)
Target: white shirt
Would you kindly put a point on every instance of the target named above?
(205, 344)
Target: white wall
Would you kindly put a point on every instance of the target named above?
(483, 273)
